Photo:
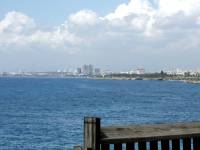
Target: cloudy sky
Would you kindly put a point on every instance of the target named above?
(114, 34)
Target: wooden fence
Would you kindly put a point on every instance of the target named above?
(184, 136)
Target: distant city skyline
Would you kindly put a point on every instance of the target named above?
(64, 68)
(90, 69)
(115, 35)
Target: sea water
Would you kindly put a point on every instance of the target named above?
(47, 113)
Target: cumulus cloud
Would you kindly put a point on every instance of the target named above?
(18, 29)
(169, 7)
(84, 17)
(137, 7)
(140, 27)
(16, 22)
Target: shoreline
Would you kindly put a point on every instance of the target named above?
(146, 79)
(113, 78)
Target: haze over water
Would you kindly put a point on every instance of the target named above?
(47, 113)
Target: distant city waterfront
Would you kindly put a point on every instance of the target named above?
(89, 71)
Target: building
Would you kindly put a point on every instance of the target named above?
(78, 71)
(87, 70)
(140, 71)
(97, 71)
(90, 69)
(84, 70)
(180, 72)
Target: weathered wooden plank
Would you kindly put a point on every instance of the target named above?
(154, 145)
(130, 146)
(91, 133)
(142, 145)
(105, 147)
(176, 144)
(196, 143)
(124, 134)
(165, 144)
(186, 144)
(117, 146)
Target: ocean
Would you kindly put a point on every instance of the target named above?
(47, 113)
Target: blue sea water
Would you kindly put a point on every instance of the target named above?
(47, 113)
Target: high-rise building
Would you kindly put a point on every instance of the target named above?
(97, 71)
(87, 70)
(84, 70)
(90, 70)
(78, 71)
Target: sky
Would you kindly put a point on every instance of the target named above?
(116, 35)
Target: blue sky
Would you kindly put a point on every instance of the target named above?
(119, 35)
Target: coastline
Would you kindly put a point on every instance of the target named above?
(180, 79)
(147, 79)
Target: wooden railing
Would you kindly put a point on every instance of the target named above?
(178, 136)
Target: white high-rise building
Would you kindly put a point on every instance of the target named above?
(87, 70)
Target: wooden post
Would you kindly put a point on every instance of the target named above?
(154, 145)
(105, 147)
(165, 144)
(117, 146)
(142, 145)
(130, 146)
(78, 148)
(186, 144)
(91, 133)
(176, 144)
(196, 143)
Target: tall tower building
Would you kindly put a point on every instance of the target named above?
(87, 70)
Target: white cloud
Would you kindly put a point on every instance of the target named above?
(16, 22)
(171, 7)
(18, 29)
(145, 14)
(137, 7)
(57, 38)
(84, 17)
